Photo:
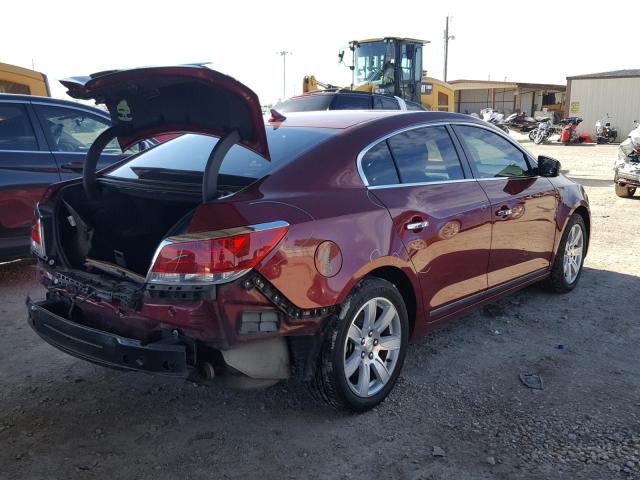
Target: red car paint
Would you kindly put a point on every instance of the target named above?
(465, 257)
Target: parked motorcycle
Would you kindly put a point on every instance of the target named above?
(489, 115)
(543, 132)
(627, 166)
(604, 132)
(520, 121)
(569, 133)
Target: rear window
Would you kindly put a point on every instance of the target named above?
(310, 103)
(351, 102)
(183, 159)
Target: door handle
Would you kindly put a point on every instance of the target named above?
(72, 167)
(504, 212)
(416, 225)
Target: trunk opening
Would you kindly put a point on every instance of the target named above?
(123, 227)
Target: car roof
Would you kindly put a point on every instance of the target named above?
(338, 91)
(10, 97)
(343, 119)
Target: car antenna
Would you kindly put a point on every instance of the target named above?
(276, 116)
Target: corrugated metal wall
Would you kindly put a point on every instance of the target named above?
(475, 100)
(619, 97)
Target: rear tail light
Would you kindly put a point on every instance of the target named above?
(37, 236)
(221, 258)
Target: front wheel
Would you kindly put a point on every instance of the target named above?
(567, 266)
(363, 352)
(532, 134)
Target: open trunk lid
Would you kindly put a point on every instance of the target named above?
(144, 102)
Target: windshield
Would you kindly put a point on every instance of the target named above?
(374, 60)
(183, 159)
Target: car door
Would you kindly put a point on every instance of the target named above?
(439, 211)
(523, 205)
(70, 131)
(26, 169)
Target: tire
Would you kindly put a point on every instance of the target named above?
(532, 134)
(624, 191)
(341, 350)
(558, 281)
(538, 139)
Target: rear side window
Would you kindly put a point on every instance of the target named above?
(183, 159)
(385, 103)
(309, 103)
(351, 102)
(16, 132)
(426, 155)
(73, 130)
(491, 155)
(377, 166)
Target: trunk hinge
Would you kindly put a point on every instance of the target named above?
(210, 178)
(89, 182)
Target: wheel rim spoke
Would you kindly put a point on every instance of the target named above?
(364, 378)
(391, 342)
(385, 319)
(381, 370)
(352, 364)
(355, 334)
(369, 315)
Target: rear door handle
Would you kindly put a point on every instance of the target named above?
(416, 225)
(504, 212)
(73, 166)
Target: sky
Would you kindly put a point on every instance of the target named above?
(494, 40)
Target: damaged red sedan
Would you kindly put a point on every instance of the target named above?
(312, 247)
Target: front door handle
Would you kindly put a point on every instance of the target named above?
(416, 225)
(504, 212)
(72, 166)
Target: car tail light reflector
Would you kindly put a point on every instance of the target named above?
(37, 237)
(221, 258)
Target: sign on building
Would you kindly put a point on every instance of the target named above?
(575, 107)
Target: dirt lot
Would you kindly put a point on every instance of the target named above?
(64, 418)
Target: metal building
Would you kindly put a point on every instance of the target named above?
(471, 96)
(592, 96)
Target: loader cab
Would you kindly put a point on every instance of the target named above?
(389, 65)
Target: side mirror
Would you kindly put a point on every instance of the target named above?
(548, 167)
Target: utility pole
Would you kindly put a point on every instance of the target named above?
(284, 54)
(447, 37)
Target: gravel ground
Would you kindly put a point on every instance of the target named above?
(458, 411)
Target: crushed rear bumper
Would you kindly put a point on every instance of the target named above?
(166, 357)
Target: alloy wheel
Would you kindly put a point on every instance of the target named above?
(573, 253)
(372, 347)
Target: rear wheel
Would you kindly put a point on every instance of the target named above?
(567, 266)
(363, 352)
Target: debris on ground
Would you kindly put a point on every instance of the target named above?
(531, 380)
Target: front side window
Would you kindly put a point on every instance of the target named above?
(426, 155)
(491, 155)
(16, 132)
(71, 130)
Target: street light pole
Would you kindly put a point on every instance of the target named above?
(447, 37)
(284, 54)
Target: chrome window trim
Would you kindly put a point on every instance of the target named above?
(102, 113)
(385, 137)
(25, 151)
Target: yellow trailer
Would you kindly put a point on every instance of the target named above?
(14, 79)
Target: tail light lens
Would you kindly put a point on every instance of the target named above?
(215, 260)
(37, 237)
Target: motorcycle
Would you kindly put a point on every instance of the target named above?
(522, 122)
(543, 132)
(489, 115)
(569, 133)
(627, 167)
(604, 132)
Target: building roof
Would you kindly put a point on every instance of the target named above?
(486, 84)
(634, 72)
